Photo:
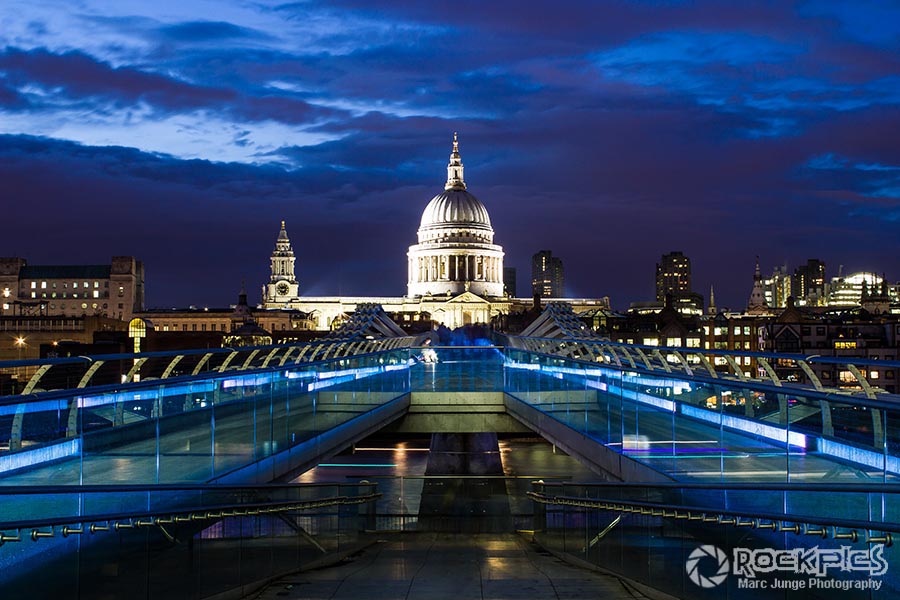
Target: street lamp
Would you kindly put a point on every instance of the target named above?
(20, 343)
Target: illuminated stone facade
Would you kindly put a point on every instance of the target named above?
(115, 291)
(282, 286)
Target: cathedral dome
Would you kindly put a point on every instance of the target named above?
(456, 251)
(455, 207)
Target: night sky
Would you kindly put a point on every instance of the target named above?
(610, 133)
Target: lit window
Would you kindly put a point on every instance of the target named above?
(693, 342)
(746, 345)
(706, 330)
(34, 294)
(846, 377)
(96, 294)
(86, 284)
(34, 285)
(675, 342)
(720, 330)
(96, 284)
(746, 330)
(84, 305)
(873, 374)
(737, 330)
(844, 345)
(6, 292)
(651, 342)
(719, 360)
(43, 285)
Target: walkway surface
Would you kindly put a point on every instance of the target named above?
(427, 566)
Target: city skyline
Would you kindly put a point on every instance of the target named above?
(725, 132)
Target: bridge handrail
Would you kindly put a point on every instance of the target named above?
(150, 383)
(809, 358)
(31, 362)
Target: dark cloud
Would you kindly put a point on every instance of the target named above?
(80, 75)
(609, 133)
(209, 31)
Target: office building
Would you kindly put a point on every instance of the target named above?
(547, 275)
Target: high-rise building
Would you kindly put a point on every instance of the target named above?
(673, 276)
(808, 285)
(509, 281)
(777, 288)
(547, 278)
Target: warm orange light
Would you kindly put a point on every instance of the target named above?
(20, 341)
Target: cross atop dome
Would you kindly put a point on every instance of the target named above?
(455, 169)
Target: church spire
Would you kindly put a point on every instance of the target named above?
(455, 179)
(712, 301)
(757, 303)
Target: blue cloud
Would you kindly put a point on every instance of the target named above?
(207, 31)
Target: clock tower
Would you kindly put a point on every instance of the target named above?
(282, 286)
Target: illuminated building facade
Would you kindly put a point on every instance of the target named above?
(673, 275)
(860, 288)
(777, 288)
(282, 286)
(808, 285)
(115, 291)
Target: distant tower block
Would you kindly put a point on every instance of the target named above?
(547, 275)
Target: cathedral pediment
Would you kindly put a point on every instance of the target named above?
(467, 298)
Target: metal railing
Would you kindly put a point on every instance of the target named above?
(31, 376)
(656, 534)
(174, 541)
(714, 364)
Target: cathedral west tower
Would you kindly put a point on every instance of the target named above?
(282, 286)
